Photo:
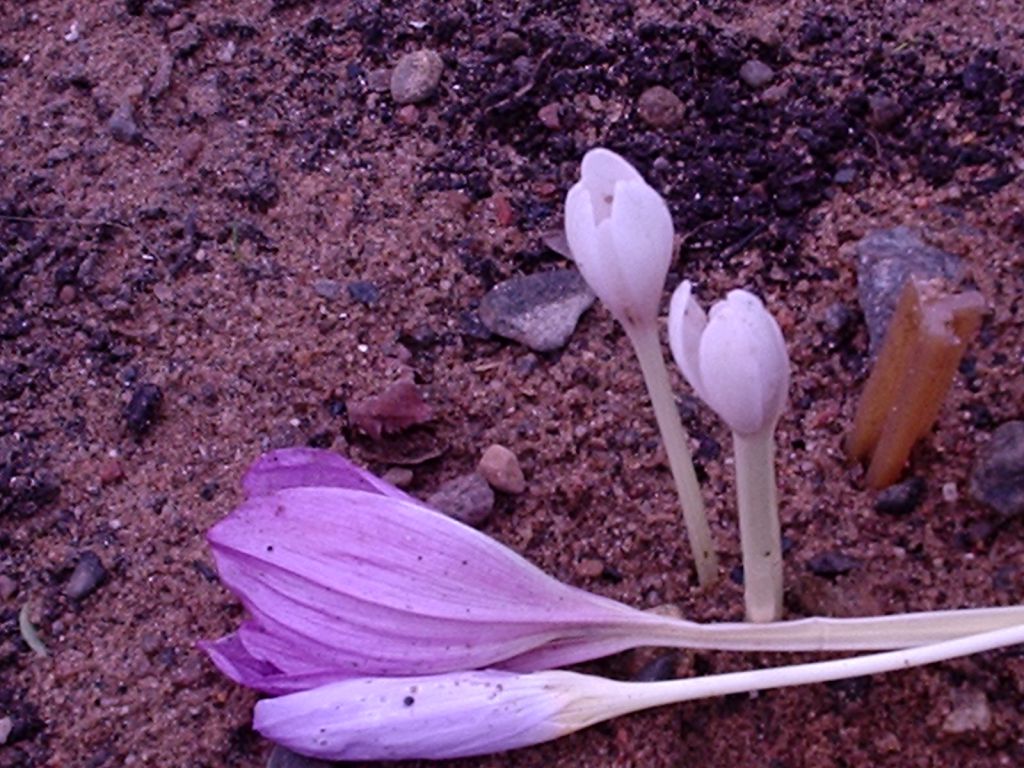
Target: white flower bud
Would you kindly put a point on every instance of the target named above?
(620, 235)
(735, 359)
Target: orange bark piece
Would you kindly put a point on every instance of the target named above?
(923, 346)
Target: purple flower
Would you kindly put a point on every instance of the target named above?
(352, 578)
(432, 717)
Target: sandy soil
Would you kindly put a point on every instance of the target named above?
(179, 179)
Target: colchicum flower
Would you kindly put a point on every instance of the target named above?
(461, 714)
(736, 361)
(353, 578)
(620, 233)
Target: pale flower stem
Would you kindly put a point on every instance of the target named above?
(632, 697)
(760, 535)
(652, 364)
(869, 633)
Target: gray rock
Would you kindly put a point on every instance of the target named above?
(416, 77)
(364, 292)
(885, 260)
(756, 73)
(122, 124)
(327, 289)
(539, 311)
(468, 499)
(88, 575)
(902, 498)
(660, 108)
(885, 111)
(998, 476)
(285, 758)
(970, 712)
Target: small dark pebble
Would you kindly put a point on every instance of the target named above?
(832, 564)
(662, 667)
(364, 292)
(88, 575)
(209, 490)
(143, 408)
(845, 176)
(327, 289)
(902, 498)
(736, 574)
(205, 570)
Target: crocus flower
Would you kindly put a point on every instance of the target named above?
(477, 712)
(351, 577)
(620, 233)
(736, 361)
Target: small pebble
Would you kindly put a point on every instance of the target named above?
(589, 568)
(416, 76)
(89, 574)
(364, 292)
(756, 73)
(831, 564)
(468, 499)
(143, 408)
(998, 476)
(660, 108)
(407, 115)
(327, 289)
(6, 726)
(500, 467)
(549, 117)
(400, 477)
(885, 111)
(902, 498)
(110, 471)
(950, 493)
(122, 124)
(970, 713)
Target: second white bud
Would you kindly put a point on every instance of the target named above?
(735, 359)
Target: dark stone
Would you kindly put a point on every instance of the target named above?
(539, 310)
(998, 476)
(902, 498)
(469, 499)
(88, 575)
(122, 124)
(832, 564)
(364, 292)
(661, 667)
(143, 408)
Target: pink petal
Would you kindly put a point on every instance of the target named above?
(365, 584)
(303, 467)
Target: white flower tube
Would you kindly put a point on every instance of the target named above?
(460, 714)
(620, 234)
(736, 361)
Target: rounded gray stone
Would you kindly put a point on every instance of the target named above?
(468, 499)
(756, 73)
(998, 476)
(660, 108)
(416, 76)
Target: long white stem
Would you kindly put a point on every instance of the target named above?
(869, 633)
(624, 698)
(760, 535)
(652, 364)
